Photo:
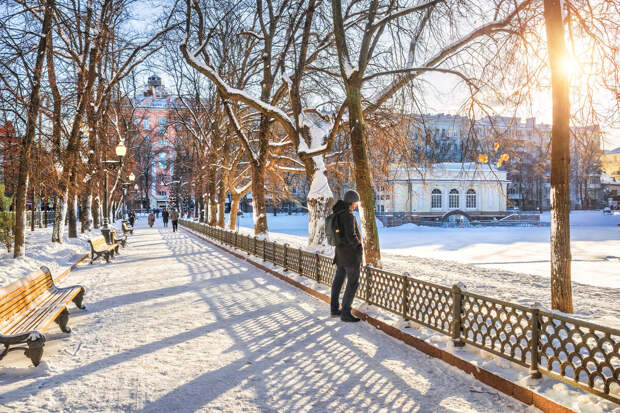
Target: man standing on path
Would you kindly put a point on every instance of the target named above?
(348, 258)
(164, 217)
(174, 217)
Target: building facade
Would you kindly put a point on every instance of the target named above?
(157, 140)
(610, 163)
(475, 190)
(450, 138)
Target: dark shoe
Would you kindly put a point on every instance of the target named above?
(336, 313)
(349, 318)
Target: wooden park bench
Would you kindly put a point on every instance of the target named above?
(119, 239)
(28, 307)
(127, 228)
(100, 248)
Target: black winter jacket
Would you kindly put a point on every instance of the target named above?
(349, 249)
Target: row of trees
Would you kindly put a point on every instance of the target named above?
(295, 76)
(64, 71)
(272, 91)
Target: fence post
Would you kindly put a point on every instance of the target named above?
(317, 272)
(264, 249)
(535, 326)
(254, 253)
(300, 267)
(406, 276)
(285, 265)
(457, 302)
(368, 282)
(236, 239)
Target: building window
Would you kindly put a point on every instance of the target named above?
(471, 199)
(436, 198)
(162, 131)
(145, 123)
(453, 199)
(162, 160)
(163, 141)
(162, 122)
(136, 122)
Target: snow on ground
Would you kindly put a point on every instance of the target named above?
(174, 324)
(572, 397)
(510, 263)
(41, 251)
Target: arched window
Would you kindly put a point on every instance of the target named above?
(453, 199)
(471, 199)
(436, 198)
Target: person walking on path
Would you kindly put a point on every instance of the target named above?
(348, 257)
(174, 217)
(132, 218)
(164, 217)
(151, 219)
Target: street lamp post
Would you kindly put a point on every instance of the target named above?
(121, 151)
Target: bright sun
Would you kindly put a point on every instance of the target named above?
(570, 65)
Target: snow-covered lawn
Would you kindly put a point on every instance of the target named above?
(511, 263)
(40, 251)
(174, 324)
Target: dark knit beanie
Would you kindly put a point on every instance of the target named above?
(351, 197)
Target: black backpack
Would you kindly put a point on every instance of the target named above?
(332, 229)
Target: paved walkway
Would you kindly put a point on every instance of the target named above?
(175, 324)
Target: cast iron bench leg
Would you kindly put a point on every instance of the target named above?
(78, 299)
(62, 321)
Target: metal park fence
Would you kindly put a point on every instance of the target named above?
(580, 353)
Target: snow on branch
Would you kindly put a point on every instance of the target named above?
(403, 12)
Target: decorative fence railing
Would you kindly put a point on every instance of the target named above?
(579, 353)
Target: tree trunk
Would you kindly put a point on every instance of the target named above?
(72, 216)
(97, 214)
(201, 205)
(221, 203)
(363, 178)
(60, 213)
(234, 210)
(561, 292)
(32, 212)
(320, 200)
(212, 194)
(88, 213)
(26, 149)
(258, 200)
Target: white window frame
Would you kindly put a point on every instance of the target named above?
(469, 196)
(436, 194)
(452, 196)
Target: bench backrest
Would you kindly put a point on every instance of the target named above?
(17, 296)
(98, 243)
(125, 226)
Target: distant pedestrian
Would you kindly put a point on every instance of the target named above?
(348, 257)
(174, 217)
(132, 218)
(164, 216)
(151, 219)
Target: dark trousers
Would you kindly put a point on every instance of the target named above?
(165, 223)
(175, 225)
(352, 275)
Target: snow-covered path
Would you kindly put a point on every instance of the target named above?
(174, 324)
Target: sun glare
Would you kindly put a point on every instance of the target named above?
(570, 65)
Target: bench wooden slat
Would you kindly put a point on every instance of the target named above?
(42, 316)
(50, 299)
(22, 297)
(27, 308)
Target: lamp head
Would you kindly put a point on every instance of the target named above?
(132, 177)
(121, 150)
